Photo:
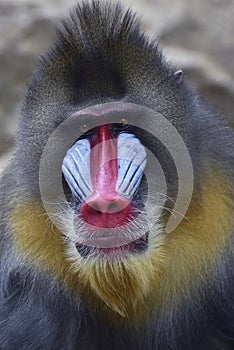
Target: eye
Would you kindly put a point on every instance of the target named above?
(124, 122)
(87, 131)
(122, 125)
(84, 128)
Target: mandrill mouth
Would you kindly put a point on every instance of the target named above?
(139, 246)
(119, 235)
(113, 241)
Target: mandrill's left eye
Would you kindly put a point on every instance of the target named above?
(124, 122)
(84, 128)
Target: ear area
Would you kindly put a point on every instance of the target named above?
(179, 75)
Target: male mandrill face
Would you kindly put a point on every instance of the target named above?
(104, 171)
(109, 226)
(105, 185)
(115, 189)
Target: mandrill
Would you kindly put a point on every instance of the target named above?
(117, 205)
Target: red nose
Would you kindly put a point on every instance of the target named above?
(105, 207)
(106, 211)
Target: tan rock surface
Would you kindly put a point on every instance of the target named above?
(197, 36)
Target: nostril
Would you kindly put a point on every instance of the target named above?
(106, 213)
(113, 206)
(94, 206)
(105, 207)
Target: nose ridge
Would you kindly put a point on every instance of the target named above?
(106, 210)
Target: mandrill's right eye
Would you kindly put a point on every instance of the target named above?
(124, 122)
(86, 131)
(84, 128)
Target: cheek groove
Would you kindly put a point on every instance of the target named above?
(132, 161)
(76, 169)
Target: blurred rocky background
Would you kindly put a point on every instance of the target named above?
(197, 36)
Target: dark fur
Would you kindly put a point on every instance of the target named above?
(102, 56)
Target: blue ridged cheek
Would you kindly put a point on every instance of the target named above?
(132, 160)
(76, 169)
(131, 164)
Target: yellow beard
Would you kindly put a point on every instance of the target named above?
(124, 285)
(178, 264)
